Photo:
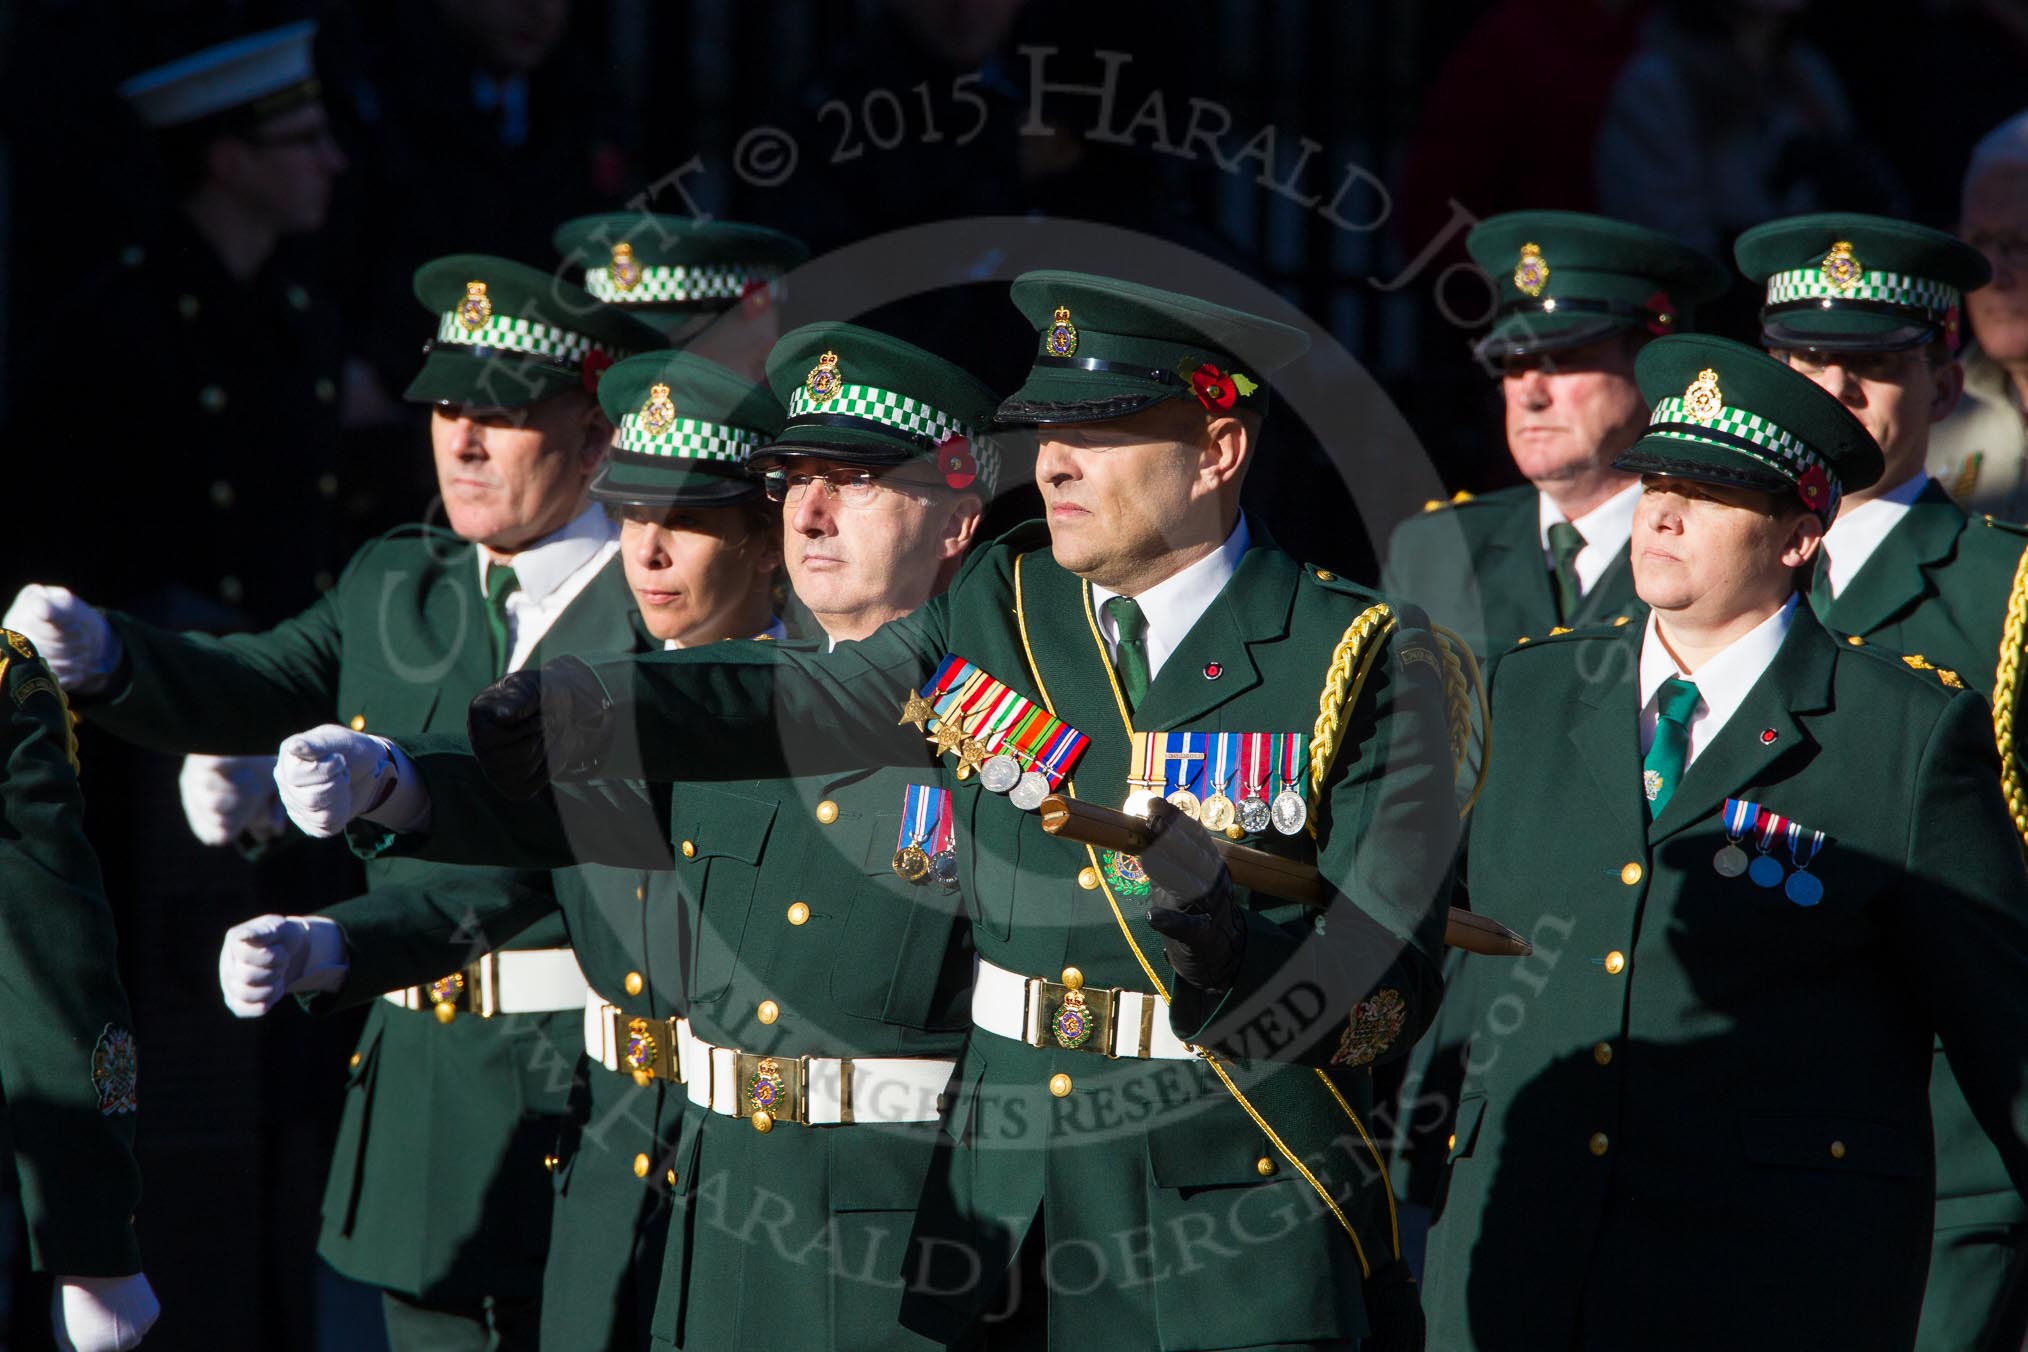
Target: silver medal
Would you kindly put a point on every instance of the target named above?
(1000, 773)
(1289, 812)
(1029, 791)
(1255, 816)
(944, 868)
(1729, 862)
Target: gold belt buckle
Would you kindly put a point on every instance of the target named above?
(449, 995)
(646, 1048)
(772, 1089)
(1076, 1017)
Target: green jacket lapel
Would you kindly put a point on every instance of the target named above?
(1894, 579)
(1514, 584)
(1253, 607)
(600, 619)
(1606, 732)
(1610, 595)
(1074, 669)
(1797, 682)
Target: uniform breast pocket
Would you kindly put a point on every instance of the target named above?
(720, 849)
(389, 703)
(898, 939)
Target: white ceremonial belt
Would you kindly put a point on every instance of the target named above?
(815, 1091)
(647, 1049)
(1116, 1022)
(512, 981)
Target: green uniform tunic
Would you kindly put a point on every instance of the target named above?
(1698, 1116)
(67, 1061)
(1175, 1211)
(1937, 585)
(437, 1188)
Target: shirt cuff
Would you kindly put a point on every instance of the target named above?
(406, 809)
(325, 961)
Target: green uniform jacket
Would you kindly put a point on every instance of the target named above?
(1698, 1116)
(1476, 565)
(1223, 1241)
(67, 1057)
(1937, 586)
(436, 1187)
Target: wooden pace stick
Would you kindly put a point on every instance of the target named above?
(1257, 870)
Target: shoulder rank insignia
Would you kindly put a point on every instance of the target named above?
(625, 272)
(658, 415)
(20, 644)
(1531, 272)
(1062, 334)
(475, 309)
(1374, 1025)
(824, 380)
(116, 1065)
(1840, 268)
(1702, 400)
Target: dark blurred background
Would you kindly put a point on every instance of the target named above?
(1336, 152)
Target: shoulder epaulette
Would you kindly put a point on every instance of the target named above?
(1603, 629)
(1457, 499)
(2010, 527)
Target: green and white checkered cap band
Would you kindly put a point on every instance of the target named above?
(1888, 288)
(677, 283)
(688, 439)
(882, 406)
(520, 335)
(1779, 449)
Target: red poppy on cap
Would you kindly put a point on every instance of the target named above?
(1663, 311)
(1213, 390)
(595, 363)
(955, 460)
(1814, 488)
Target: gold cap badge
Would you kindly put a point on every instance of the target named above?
(1702, 400)
(1062, 334)
(475, 309)
(1840, 268)
(824, 380)
(625, 272)
(1531, 273)
(658, 415)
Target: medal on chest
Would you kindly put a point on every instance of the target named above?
(1016, 747)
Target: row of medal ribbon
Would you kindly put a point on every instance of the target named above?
(1240, 783)
(1770, 830)
(1013, 744)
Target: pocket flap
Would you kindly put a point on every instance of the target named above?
(725, 825)
(1187, 1156)
(1843, 1144)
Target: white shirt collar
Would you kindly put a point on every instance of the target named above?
(1606, 529)
(1858, 532)
(775, 630)
(1173, 605)
(1723, 682)
(542, 567)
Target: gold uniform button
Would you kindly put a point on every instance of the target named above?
(763, 1120)
(689, 849)
(1855, 640)
(1619, 620)
(641, 1164)
(1087, 878)
(1264, 1166)
(1072, 979)
(768, 1012)
(1603, 1053)
(633, 983)
(359, 722)
(1059, 1085)
(354, 1062)
(550, 1162)
(1837, 1150)
(1326, 575)
(799, 913)
(1452, 1144)
(827, 812)
(1631, 873)
(640, 891)
(1599, 1143)
(1616, 962)
(671, 1176)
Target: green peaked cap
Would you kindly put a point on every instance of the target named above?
(1726, 413)
(866, 397)
(1838, 281)
(1565, 279)
(509, 335)
(1109, 349)
(670, 269)
(684, 428)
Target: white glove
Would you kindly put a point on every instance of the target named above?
(225, 797)
(102, 1314)
(331, 775)
(73, 638)
(270, 956)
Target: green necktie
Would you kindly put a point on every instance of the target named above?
(1130, 658)
(1564, 544)
(1671, 747)
(500, 584)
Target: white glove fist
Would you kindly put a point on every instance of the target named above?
(330, 775)
(225, 797)
(73, 638)
(102, 1314)
(258, 960)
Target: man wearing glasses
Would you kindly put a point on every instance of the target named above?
(1980, 453)
(1868, 309)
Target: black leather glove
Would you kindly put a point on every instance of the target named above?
(531, 727)
(1190, 901)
